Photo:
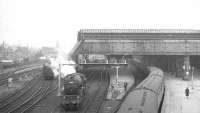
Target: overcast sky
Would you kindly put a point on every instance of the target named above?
(43, 22)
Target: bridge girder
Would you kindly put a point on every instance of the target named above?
(141, 47)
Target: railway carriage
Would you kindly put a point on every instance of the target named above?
(147, 97)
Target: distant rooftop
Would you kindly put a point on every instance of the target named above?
(139, 31)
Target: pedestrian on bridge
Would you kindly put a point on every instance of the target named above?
(187, 92)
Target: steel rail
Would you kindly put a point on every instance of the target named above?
(27, 87)
(99, 96)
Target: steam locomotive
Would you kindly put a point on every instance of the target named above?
(47, 72)
(73, 91)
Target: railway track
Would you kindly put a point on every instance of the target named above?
(91, 76)
(39, 99)
(16, 74)
(99, 107)
(26, 106)
(96, 101)
(25, 100)
(18, 69)
(18, 93)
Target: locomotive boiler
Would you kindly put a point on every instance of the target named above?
(73, 91)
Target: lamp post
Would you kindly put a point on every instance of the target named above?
(117, 73)
(187, 70)
(59, 62)
(192, 76)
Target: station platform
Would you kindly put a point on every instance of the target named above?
(117, 90)
(175, 100)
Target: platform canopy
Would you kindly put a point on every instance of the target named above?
(138, 42)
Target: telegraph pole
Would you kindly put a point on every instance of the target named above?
(117, 73)
(59, 80)
(59, 75)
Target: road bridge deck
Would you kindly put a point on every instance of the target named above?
(138, 42)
